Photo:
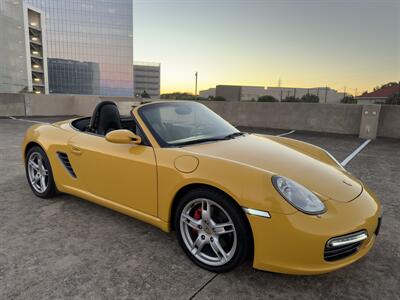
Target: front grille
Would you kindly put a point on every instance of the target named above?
(336, 252)
(339, 252)
(65, 161)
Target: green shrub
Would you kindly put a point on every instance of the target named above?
(219, 98)
(267, 98)
(310, 98)
(291, 99)
(348, 100)
(180, 96)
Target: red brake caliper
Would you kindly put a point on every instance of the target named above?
(196, 216)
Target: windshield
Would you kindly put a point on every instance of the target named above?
(183, 123)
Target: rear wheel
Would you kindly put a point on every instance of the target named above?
(212, 230)
(39, 173)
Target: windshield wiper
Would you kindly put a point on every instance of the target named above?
(235, 134)
(212, 139)
(205, 140)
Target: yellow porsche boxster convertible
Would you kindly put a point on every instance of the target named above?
(230, 196)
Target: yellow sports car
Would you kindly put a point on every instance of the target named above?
(287, 205)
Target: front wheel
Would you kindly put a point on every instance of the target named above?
(39, 173)
(212, 230)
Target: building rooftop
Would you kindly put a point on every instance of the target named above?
(67, 247)
(146, 64)
(384, 92)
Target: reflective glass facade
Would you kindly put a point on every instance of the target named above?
(73, 77)
(90, 45)
(13, 66)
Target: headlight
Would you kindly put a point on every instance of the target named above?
(298, 196)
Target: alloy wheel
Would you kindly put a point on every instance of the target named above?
(208, 232)
(38, 172)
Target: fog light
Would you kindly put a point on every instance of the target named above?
(348, 239)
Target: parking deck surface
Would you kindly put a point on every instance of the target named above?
(70, 248)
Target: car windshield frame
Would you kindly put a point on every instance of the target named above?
(186, 141)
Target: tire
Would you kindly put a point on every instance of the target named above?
(201, 235)
(37, 166)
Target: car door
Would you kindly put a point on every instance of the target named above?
(122, 173)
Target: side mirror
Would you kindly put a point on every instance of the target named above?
(123, 136)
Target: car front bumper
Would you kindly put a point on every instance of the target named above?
(295, 244)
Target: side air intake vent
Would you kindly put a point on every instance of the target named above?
(65, 161)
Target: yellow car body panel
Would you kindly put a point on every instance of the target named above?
(143, 182)
(295, 244)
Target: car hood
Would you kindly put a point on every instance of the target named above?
(326, 180)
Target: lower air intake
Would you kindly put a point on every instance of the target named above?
(344, 246)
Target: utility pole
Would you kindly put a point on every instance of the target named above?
(195, 87)
(326, 93)
(344, 91)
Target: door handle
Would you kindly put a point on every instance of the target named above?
(75, 150)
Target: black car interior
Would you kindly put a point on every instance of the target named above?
(106, 118)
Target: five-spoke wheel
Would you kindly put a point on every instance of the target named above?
(39, 173)
(208, 231)
(212, 230)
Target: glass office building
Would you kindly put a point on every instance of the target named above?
(89, 46)
(73, 77)
(147, 79)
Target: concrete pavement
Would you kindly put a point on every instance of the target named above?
(70, 248)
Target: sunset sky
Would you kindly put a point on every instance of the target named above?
(304, 43)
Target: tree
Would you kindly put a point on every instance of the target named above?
(349, 99)
(180, 96)
(394, 99)
(267, 98)
(219, 98)
(291, 99)
(310, 98)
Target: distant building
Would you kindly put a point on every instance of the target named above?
(23, 64)
(99, 32)
(207, 93)
(68, 76)
(380, 95)
(325, 94)
(147, 79)
(234, 92)
(239, 93)
(229, 92)
(36, 50)
(252, 93)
